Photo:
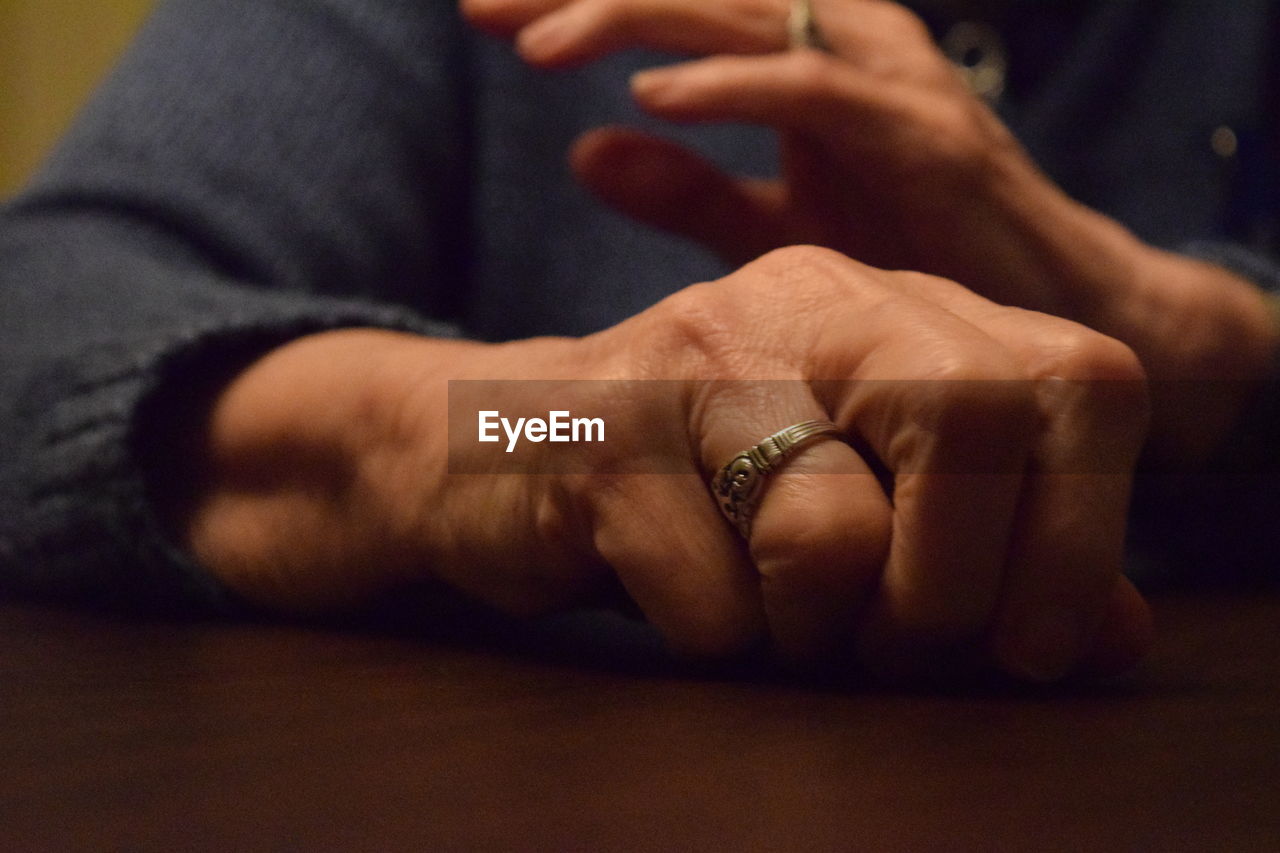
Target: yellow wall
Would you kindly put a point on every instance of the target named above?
(52, 52)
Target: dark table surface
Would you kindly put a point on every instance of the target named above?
(120, 735)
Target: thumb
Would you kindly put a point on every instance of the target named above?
(672, 188)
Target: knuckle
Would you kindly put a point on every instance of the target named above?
(1079, 353)
(697, 327)
(972, 392)
(719, 326)
(904, 25)
(956, 140)
(822, 272)
(954, 363)
(814, 257)
(1108, 369)
(957, 363)
(924, 285)
(952, 140)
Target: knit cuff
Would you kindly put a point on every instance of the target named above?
(93, 529)
(88, 372)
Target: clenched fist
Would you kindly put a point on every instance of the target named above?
(973, 507)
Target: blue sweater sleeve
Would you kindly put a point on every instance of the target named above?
(253, 170)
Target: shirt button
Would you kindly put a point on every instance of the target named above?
(1224, 142)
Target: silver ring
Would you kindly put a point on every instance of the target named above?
(739, 486)
(802, 27)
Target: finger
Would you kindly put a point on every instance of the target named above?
(1069, 550)
(506, 17)
(803, 91)
(821, 533)
(680, 563)
(588, 29)
(1067, 554)
(882, 37)
(668, 186)
(957, 445)
(820, 544)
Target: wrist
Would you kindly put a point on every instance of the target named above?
(325, 476)
(285, 490)
(1209, 340)
(1185, 318)
(1072, 261)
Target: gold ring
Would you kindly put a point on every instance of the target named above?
(802, 27)
(739, 486)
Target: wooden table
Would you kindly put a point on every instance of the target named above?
(119, 735)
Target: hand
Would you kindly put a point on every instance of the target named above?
(889, 159)
(1008, 438)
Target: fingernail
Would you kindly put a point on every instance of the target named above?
(1046, 645)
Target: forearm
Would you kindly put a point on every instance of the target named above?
(319, 474)
(283, 493)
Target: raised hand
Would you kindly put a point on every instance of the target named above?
(889, 159)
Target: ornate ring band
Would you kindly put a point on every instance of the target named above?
(739, 486)
(802, 27)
